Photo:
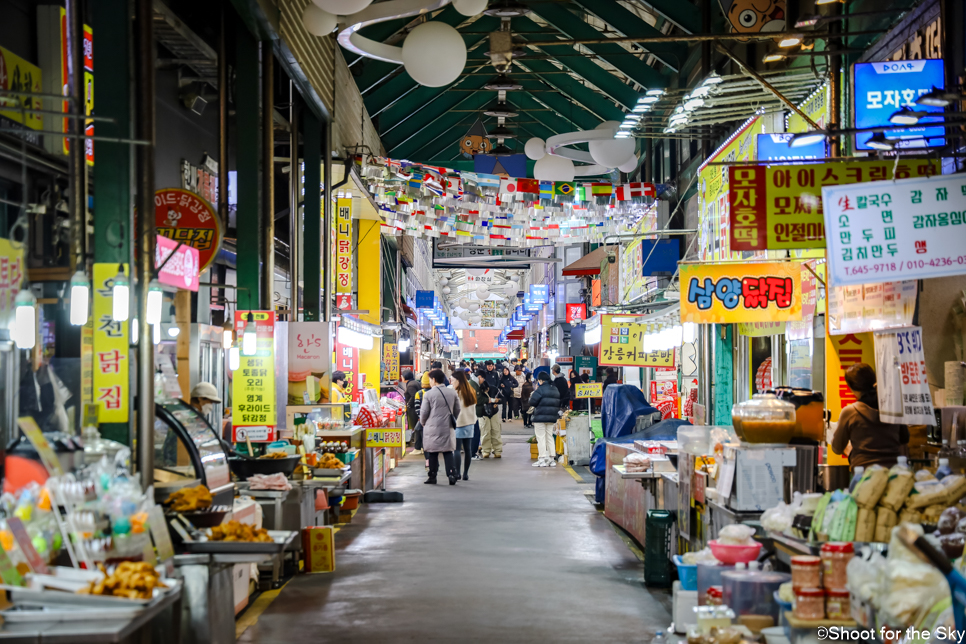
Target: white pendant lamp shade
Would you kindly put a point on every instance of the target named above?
(80, 288)
(464, 302)
(434, 54)
(464, 315)
(24, 328)
(156, 337)
(535, 148)
(630, 165)
(342, 7)
(475, 319)
(234, 359)
(553, 168)
(155, 302)
(512, 287)
(443, 281)
(249, 337)
(482, 292)
(446, 290)
(120, 294)
(318, 22)
(474, 306)
(611, 153)
(470, 7)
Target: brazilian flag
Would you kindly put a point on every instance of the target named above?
(564, 188)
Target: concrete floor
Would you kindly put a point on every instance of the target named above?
(515, 554)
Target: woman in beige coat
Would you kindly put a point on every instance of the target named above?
(438, 413)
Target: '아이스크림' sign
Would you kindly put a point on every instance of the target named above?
(732, 293)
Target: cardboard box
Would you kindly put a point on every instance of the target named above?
(318, 549)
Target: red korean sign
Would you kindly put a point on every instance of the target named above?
(576, 313)
(179, 270)
(183, 216)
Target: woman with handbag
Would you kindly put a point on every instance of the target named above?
(438, 413)
(465, 423)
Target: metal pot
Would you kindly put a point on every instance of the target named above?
(834, 477)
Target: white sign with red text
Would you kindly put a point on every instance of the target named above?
(903, 390)
(181, 271)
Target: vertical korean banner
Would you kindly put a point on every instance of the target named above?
(111, 349)
(841, 352)
(390, 356)
(347, 361)
(343, 253)
(253, 383)
(903, 390)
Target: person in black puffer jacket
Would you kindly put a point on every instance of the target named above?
(545, 402)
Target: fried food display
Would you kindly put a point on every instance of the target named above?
(235, 531)
(330, 462)
(274, 455)
(133, 580)
(190, 499)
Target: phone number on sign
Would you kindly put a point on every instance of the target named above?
(912, 264)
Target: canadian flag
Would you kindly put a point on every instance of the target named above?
(632, 190)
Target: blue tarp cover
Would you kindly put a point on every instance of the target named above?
(622, 405)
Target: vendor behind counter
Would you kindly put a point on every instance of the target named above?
(861, 434)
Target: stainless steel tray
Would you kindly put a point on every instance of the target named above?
(320, 471)
(59, 598)
(281, 540)
(26, 613)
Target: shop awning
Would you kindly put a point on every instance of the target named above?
(589, 264)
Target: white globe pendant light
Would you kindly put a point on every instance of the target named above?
(318, 22)
(611, 153)
(342, 7)
(482, 292)
(464, 315)
(630, 165)
(446, 290)
(535, 148)
(475, 319)
(464, 302)
(553, 168)
(443, 281)
(434, 54)
(474, 306)
(470, 7)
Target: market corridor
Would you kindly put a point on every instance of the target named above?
(516, 554)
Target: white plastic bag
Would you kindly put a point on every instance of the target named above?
(736, 535)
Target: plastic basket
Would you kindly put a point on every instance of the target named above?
(657, 548)
(687, 574)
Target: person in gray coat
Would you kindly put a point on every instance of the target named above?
(437, 413)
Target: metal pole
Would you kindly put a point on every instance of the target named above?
(294, 219)
(834, 83)
(327, 222)
(222, 122)
(76, 183)
(268, 178)
(144, 18)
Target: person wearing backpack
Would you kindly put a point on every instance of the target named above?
(438, 413)
(545, 402)
(491, 430)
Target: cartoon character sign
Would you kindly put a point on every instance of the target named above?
(754, 16)
(475, 141)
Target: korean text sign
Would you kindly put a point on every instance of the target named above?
(589, 390)
(620, 346)
(576, 313)
(343, 249)
(902, 388)
(180, 269)
(901, 230)
(731, 293)
(380, 437)
(780, 207)
(183, 216)
(253, 383)
(390, 356)
(883, 88)
(111, 350)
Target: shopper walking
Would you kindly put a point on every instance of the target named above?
(507, 384)
(412, 388)
(545, 402)
(526, 389)
(491, 430)
(479, 387)
(518, 391)
(438, 413)
(563, 389)
(465, 423)
(873, 441)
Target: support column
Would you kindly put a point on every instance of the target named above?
(112, 181)
(327, 280)
(312, 209)
(369, 271)
(294, 215)
(247, 112)
(268, 178)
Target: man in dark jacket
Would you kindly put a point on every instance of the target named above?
(439, 365)
(611, 378)
(562, 387)
(412, 386)
(546, 405)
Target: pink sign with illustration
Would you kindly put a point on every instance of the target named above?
(181, 271)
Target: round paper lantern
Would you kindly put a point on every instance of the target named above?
(342, 7)
(464, 315)
(470, 7)
(474, 306)
(463, 302)
(446, 290)
(482, 291)
(512, 287)
(611, 153)
(475, 319)
(553, 168)
(444, 281)
(318, 22)
(434, 54)
(630, 165)
(535, 148)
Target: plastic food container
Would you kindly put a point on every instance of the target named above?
(709, 575)
(687, 574)
(764, 419)
(709, 617)
(809, 603)
(809, 410)
(835, 560)
(714, 596)
(751, 592)
(806, 571)
(837, 604)
(732, 554)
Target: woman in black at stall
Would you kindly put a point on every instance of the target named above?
(507, 384)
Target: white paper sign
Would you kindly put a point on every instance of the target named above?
(900, 366)
(858, 308)
(895, 230)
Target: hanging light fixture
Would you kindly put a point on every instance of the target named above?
(155, 301)
(135, 331)
(120, 293)
(503, 83)
(689, 332)
(249, 337)
(156, 333)
(227, 335)
(501, 109)
(24, 329)
(234, 360)
(80, 289)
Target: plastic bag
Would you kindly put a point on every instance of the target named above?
(866, 574)
(816, 533)
(736, 535)
(703, 556)
(778, 518)
(843, 523)
(871, 486)
(897, 490)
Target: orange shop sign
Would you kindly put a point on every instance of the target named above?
(780, 207)
(185, 217)
(741, 292)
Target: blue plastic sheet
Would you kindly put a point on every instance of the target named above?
(621, 406)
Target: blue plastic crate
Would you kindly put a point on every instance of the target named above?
(687, 574)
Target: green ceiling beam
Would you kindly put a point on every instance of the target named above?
(682, 13)
(446, 132)
(437, 115)
(587, 98)
(447, 143)
(671, 54)
(626, 22)
(559, 122)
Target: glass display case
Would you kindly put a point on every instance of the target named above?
(327, 417)
(187, 448)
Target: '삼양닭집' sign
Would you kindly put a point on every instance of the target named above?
(741, 292)
(900, 230)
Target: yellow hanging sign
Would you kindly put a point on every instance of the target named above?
(589, 390)
(111, 349)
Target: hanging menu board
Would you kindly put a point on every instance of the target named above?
(253, 383)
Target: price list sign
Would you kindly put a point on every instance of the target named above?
(899, 230)
(253, 383)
